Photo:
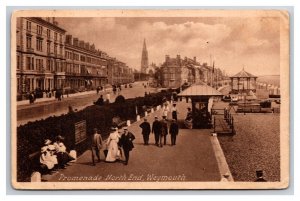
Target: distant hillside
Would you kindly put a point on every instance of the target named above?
(270, 79)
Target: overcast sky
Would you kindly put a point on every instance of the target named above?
(231, 42)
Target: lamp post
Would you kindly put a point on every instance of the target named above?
(244, 97)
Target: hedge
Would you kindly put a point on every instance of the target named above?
(30, 137)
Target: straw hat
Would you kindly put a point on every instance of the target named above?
(44, 149)
(47, 142)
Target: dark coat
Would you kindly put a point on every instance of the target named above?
(156, 127)
(100, 101)
(174, 128)
(164, 127)
(126, 141)
(96, 141)
(146, 128)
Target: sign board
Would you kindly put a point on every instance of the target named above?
(80, 131)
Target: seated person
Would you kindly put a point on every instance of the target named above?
(63, 156)
(46, 159)
(189, 119)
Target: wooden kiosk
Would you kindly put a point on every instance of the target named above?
(200, 96)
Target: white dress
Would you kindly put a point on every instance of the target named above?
(112, 143)
(47, 160)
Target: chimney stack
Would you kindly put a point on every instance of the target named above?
(167, 58)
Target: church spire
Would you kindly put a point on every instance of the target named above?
(144, 60)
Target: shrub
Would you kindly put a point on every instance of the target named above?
(120, 99)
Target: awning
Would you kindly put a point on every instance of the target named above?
(200, 90)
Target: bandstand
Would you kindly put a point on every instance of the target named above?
(243, 82)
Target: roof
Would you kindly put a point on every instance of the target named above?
(243, 74)
(200, 90)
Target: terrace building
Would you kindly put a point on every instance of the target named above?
(40, 59)
(48, 59)
(86, 67)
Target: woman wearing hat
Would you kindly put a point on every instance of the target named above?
(61, 151)
(46, 159)
(112, 144)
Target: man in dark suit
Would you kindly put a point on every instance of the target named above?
(100, 101)
(156, 129)
(164, 131)
(126, 142)
(146, 129)
(173, 131)
(96, 145)
(260, 176)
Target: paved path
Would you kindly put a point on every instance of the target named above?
(192, 159)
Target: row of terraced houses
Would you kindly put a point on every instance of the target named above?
(49, 59)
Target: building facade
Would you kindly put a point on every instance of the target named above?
(48, 59)
(175, 72)
(40, 59)
(86, 67)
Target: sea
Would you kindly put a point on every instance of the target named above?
(270, 79)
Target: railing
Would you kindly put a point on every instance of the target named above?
(228, 118)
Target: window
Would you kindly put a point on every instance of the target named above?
(39, 44)
(29, 63)
(55, 49)
(60, 38)
(18, 62)
(60, 50)
(28, 26)
(48, 33)
(39, 29)
(28, 42)
(48, 47)
(48, 67)
(55, 36)
(39, 64)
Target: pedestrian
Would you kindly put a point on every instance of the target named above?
(165, 110)
(126, 142)
(156, 129)
(260, 176)
(31, 98)
(108, 97)
(174, 111)
(96, 145)
(173, 131)
(112, 144)
(100, 101)
(58, 94)
(98, 89)
(146, 129)
(164, 131)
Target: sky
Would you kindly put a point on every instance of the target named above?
(231, 42)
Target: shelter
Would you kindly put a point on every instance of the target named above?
(200, 95)
(243, 82)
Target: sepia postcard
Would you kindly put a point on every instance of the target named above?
(150, 99)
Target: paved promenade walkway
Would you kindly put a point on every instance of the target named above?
(192, 159)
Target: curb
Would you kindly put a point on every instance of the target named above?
(221, 160)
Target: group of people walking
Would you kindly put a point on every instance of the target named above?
(160, 129)
(117, 144)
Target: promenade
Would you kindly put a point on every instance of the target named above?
(195, 157)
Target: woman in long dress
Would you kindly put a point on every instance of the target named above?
(112, 144)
